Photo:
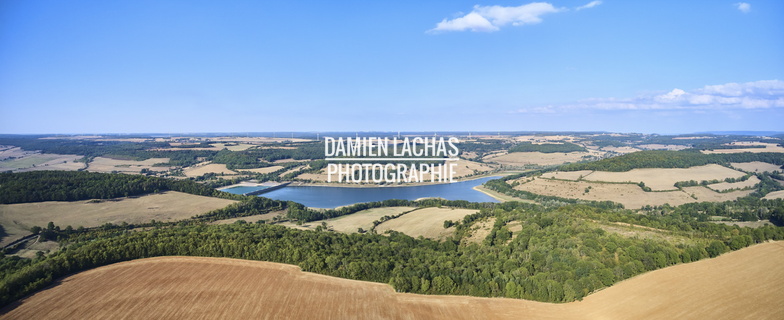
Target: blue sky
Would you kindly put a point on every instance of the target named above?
(238, 66)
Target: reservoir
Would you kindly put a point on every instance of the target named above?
(331, 197)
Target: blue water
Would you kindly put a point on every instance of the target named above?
(331, 197)
(243, 189)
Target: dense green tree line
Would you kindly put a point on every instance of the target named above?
(671, 159)
(36, 186)
(547, 147)
(298, 212)
(251, 158)
(743, 209)
(602, 141)
(237, 159)
(559, 255)
(113, 149)
(483, 146)
(87, 148)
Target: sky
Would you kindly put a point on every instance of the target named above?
(481, 65)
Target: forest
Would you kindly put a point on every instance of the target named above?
(36, 186)
(671, 159)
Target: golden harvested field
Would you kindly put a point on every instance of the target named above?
(468, 154)
(467, 167)
(205, 168)
(567, 175)
(705, 194)
(426, 222)
(537, 158)
(101, 164)
(363, 219)
(741, 284)
(631, 196)
(320, 176)
(263, 170)
(292, 170)
(350, 223)
(27, 161)
(756, 166)
(665, 179)
(17, 219)
(749, 183)
(774, 195)
(629, 230)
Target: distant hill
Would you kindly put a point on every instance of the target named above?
(744, 133)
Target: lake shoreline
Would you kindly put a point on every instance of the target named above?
(333, 196)
(414, 184)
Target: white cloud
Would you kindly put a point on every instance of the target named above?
(492, 18)
(763, 94)
(743, 7)
(671, 96)
(589, 5)
(472, 21)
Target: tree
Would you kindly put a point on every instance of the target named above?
(715, 248)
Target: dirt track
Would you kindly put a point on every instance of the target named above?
(742, 284)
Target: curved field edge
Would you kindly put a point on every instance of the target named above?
(740, 284)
